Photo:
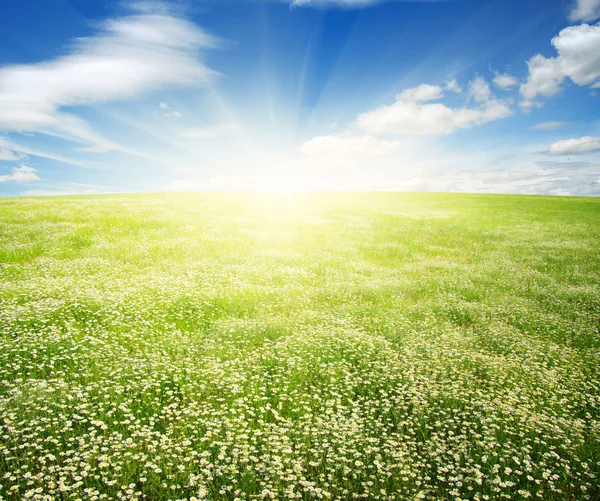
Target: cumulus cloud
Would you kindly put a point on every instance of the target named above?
(21, 174)
(586, 144)
(578, 59)
(479, 90)
(505, 81)
(585, 10)
(453, 86)
(550, 125)
(147, 50)
(414, 114)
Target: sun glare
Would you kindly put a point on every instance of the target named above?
(285, 185)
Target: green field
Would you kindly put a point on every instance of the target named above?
(335, 346)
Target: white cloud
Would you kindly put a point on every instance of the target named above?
(453, 86)
(505, 81)
(150, 49)
(420, 164)
(584, 144)
(21, 152)
(21, 174)
(345, 3)
(578, 58)
(568, 178)
(550, 125)
(479, 90)
(528, 105)
(167, 111)
(219, 130)
(98, 148)
(7, 155)
(341, 3)
(545, 78)
(421, 94)
(349, 4)
(585, 10)
(410, 115)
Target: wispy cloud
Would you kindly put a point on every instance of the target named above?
(20, 151)
(346, 3)
(167, 111)
(210, 132)
(8, 155)
(67, 188)
(551, 125)
(150, 49)
(555, 179)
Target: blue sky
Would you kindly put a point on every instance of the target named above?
(499, 96)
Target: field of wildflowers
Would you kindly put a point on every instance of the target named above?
(315, 346)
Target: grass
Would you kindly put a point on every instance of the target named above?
(315, 346)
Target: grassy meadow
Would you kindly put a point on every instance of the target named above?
(335, 346)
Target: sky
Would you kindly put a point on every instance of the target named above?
(490, 96)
